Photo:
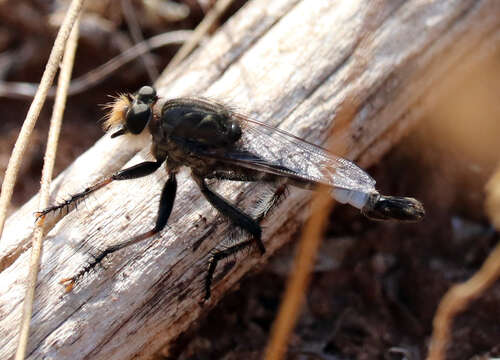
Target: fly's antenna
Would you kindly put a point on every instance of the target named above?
(116, 111)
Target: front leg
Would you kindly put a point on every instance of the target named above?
(133, 172)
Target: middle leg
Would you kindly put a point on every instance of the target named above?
(166, 204)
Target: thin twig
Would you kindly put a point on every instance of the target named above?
(305, 256)
(299, 280)
(459, 296)
(310, 241)
(135, 31)
(35, 108)
(48, 167)
(96, 76)
(203, 27)
(167, 10)
(297, 285)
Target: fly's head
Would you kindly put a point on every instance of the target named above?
(131, 113)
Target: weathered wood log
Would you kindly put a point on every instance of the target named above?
(294, 64)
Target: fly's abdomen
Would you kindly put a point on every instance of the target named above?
(400, 208)
(355, 198)
(380, 207)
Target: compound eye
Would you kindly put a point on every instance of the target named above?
(146, 94)
(137, 117)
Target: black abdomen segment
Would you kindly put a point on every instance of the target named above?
(394, 207)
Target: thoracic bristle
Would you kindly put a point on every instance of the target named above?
(116, 111)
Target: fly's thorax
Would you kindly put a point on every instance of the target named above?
(154, 125)
(195, 121)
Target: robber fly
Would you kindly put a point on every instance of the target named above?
(218, 143)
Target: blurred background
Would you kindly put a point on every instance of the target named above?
(376, 285)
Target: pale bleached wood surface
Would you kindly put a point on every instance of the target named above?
(296, 64)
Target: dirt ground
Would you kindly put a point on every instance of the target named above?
(376, 286)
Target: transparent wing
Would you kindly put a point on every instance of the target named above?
(265, 148)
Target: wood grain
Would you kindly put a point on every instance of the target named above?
(359, 72)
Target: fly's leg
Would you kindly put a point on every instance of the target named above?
(238, 218)
(218, 256)
(241, 220)
(133, 172)
(267, 206)
(166, 204)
